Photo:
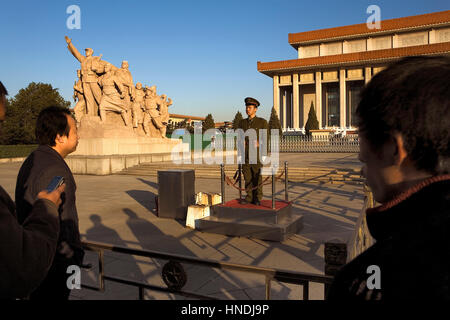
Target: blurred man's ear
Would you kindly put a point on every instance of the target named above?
(400, 153)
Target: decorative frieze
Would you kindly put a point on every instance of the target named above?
(308, 51)
(443, 35)
(378, 69)
(330, 75)
(412, 39)
(333, 48)
(355, 46)
(306, 77)
(354, 73)
(380, 43)
(286, 79)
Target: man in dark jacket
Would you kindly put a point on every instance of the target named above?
(27, 250)
(403, 120)
(57, 135)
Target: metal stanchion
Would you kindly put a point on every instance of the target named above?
(222, 182)
(286, 197)
(273, 187)
(240, 180)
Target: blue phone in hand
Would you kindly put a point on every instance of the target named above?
(55, 183)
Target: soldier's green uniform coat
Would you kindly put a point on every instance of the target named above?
(252, 172)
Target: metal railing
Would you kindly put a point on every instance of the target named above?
(319, 143)
(362, 239)
(174, 268)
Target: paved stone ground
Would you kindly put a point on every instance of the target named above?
(119, 210)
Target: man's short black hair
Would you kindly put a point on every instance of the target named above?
(52, 121)
(3, 91)
(411, 97)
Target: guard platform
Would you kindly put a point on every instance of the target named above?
(248, 220)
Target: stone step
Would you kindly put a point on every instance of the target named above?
(296, 174)
(251, 229)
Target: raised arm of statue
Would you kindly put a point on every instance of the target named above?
(74, 50)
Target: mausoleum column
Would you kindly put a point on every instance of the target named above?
(295, 93)
(284, 110)
(276, 95)
(367, 74)
(318, 104)
(342, 98)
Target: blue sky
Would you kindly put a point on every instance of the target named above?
(202, 54)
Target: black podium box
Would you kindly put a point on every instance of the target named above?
(176, 191)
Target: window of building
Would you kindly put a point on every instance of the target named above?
(332, 105)
(353, 98)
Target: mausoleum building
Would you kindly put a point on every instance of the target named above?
(334, 64)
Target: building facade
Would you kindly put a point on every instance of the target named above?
(190, 120)
(333, 65)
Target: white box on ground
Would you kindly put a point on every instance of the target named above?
(207, 199)
(196, 212)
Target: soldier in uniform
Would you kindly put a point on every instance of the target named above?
(252, 171)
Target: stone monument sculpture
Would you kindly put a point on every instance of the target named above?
(138, 106)
(90, 66)
(152, 118)
(113, 95)
(127, 81)
(119, 124)
(164, 113)
(103, 90)
(78, 97)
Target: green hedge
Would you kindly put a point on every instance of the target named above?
(16, 151)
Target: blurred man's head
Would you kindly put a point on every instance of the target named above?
(403, 120)
(3, 94)
(55, 127)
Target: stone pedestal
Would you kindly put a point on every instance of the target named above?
(260, 222)
(176, 191)
(111, 147)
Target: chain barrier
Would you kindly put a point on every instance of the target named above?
(264, 182)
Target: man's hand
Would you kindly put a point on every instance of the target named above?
(68, 40)
(54, 196)
(65, 249)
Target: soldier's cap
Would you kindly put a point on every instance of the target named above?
(252, 101)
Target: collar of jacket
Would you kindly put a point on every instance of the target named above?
(395, 214)
(49, 150)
